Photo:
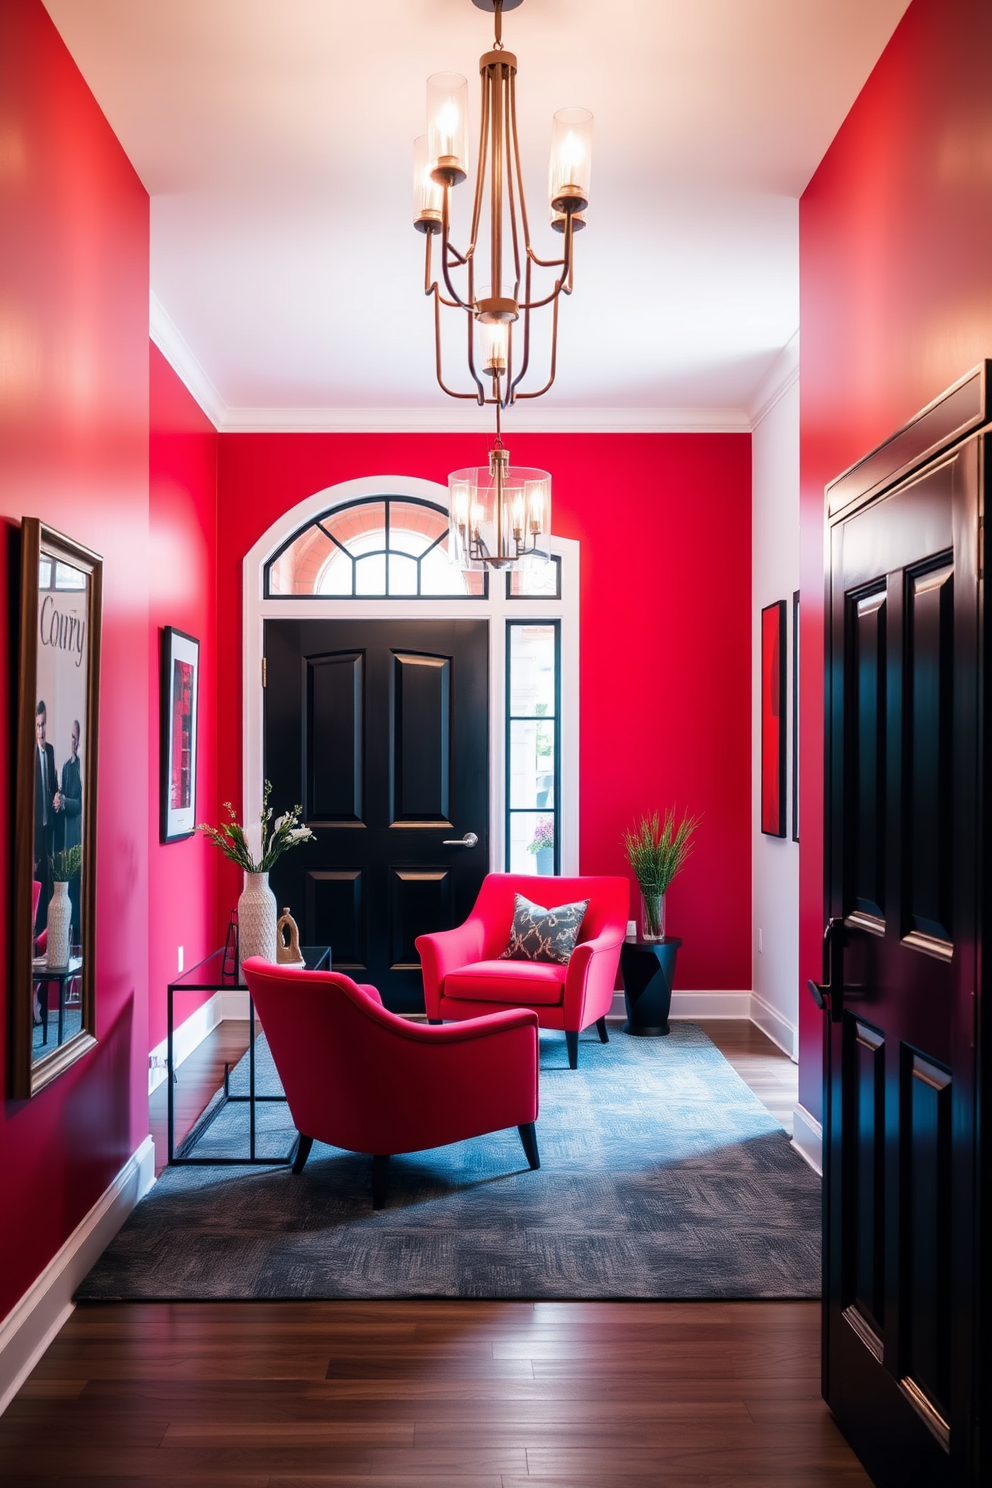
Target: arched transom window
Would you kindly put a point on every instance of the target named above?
(386, 547)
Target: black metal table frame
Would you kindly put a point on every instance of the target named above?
(318, 958)
(40, 978)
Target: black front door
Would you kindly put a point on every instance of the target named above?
(903, 762)
(380, 728)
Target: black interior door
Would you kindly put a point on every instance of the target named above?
(380, 728)
(903, 759)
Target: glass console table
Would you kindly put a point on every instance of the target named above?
(220, 973)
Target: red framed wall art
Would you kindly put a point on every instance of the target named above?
(773, 702)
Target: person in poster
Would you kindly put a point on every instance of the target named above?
(69, 806)
(45, 794)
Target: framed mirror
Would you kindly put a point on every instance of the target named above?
(52, 932)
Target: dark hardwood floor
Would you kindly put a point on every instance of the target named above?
(461, 1394)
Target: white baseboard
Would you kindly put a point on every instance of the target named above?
(233, 1004)
(696, 1006)
(807, 1138)
(33, 1322)
(777, 1027)
(188, 1036)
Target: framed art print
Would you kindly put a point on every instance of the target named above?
(180, 668)
(773, 693)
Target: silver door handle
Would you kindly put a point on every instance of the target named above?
(469, 840)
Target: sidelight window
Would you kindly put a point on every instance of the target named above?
(386, 547)
(533, 746)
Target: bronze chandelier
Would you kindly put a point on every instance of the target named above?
(493, 311)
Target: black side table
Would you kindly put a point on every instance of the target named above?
(648, 968)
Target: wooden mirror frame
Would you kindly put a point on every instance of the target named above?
(28, 1074)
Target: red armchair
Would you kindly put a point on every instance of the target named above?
(359, 1077)
(464, 975)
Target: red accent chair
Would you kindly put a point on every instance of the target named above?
(464, 974)
(359, 1077)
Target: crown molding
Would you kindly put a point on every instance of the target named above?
(780, 377)
(171, 343)
(525, 418)
(521, 419)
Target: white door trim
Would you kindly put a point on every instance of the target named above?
(496, 609)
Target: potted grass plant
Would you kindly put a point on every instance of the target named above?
(657, 849)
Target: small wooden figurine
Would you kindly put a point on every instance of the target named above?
(288, 941)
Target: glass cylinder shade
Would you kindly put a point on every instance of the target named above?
(493, 341)
(571, 160)
(427, 194)
(498, 517)
(447, 127)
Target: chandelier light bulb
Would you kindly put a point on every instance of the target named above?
(571, 159)
(428, 196)
(495, 338)
(447, 127)
(536, 505)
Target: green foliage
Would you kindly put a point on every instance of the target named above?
(284, 832)
(657, 851)
(66, 863)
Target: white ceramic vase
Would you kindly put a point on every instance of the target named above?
(257, 919)
(58, 924)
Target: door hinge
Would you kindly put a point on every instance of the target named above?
(981, 546)
(265, 678)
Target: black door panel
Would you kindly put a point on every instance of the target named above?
(902, 800)
(381, 729)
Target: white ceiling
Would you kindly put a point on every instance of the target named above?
(274, 139)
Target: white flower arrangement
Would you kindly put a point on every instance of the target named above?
(286, 831)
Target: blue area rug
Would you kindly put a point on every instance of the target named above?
(662, 1176)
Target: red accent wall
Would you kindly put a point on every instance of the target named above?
(182, 876)
(664, 523)
(74, 451)
(896, 304)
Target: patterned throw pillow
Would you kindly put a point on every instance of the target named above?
(540, 934)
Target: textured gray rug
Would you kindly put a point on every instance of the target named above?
(662, 1176)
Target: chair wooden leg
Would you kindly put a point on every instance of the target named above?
(380, 1180)
(604, 1037)
(572, 1045)
(528, 1136)
(303, 1146)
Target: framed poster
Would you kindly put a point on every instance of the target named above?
(773, 692)
(52, 931)
(180, 669)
